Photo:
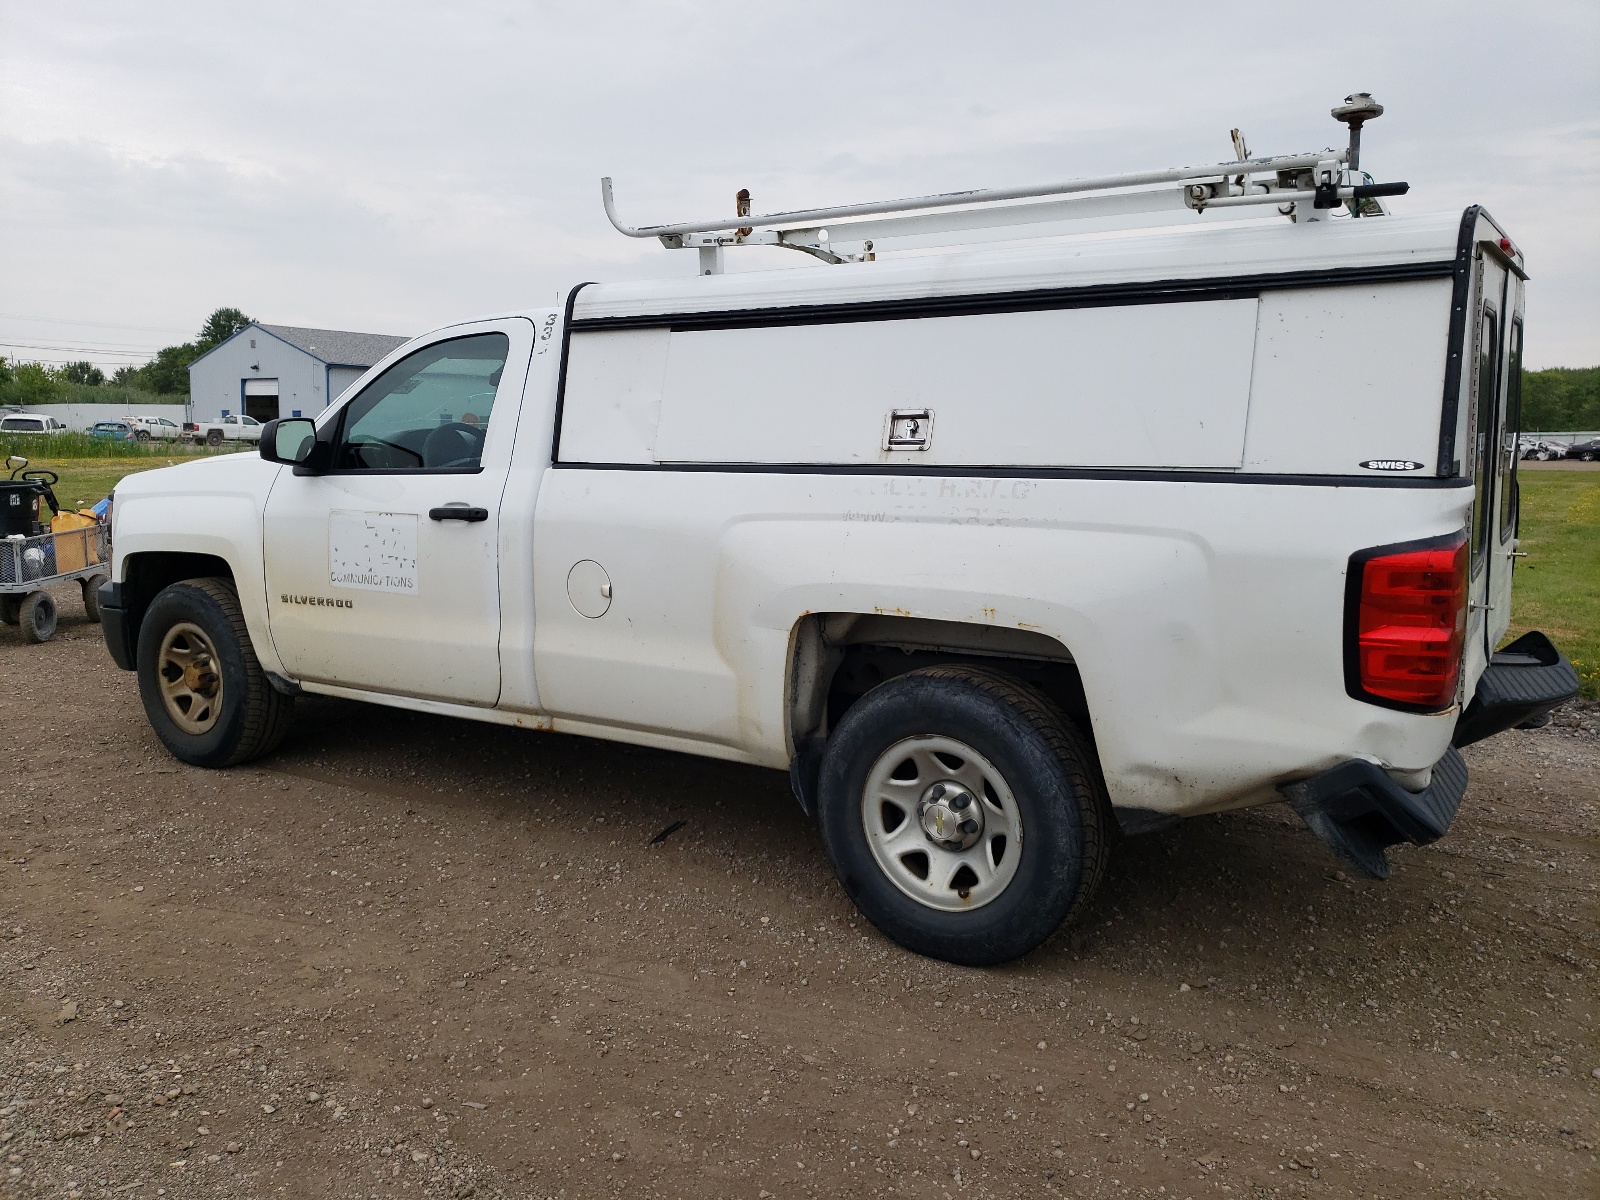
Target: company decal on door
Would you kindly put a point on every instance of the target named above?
(375, 551)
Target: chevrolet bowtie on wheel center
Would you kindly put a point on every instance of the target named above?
(1038, 534)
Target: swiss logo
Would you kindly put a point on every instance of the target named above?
(1391, 464)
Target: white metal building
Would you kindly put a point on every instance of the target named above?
(269, 371)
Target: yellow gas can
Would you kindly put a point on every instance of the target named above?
(76, 547)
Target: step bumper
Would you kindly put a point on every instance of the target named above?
(1359, 811)
(1522, 683)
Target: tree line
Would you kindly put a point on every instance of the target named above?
(1561, 398)
(164, 378)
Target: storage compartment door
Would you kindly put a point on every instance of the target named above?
(1148, 385)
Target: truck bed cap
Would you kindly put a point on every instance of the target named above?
(1241, 252)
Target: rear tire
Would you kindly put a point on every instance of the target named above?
(37, 616)
(203, 688)
(1024, 772)
(214, 437)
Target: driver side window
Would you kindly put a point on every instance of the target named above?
(428, 412)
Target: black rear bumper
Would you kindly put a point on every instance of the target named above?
(116, 626)
(1522, 683)
(1359, 810)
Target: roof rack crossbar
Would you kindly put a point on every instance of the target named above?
(1255, 166)
(1304, 187)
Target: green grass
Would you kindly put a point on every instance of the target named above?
(87, 480)
(73, 444)
(90, 467)
(1557, 587)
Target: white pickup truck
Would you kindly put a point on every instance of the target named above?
(230, 428)
(160, 429)
(994, 551)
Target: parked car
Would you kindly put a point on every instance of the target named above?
(231, 428)
(1585, 451)
(156, 428)
(1539, 450)
(992, 550)
(29, 423)
(121, 431)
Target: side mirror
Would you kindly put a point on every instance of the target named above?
(289, 441)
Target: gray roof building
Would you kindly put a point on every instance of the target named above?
(339, 347)
(269, 371)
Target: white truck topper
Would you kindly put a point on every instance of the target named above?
(1259, 254)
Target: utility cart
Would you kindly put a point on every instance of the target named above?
(36, 551)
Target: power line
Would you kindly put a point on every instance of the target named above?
(89, 342)
(50, 358)
(91, 350)
(94, 324)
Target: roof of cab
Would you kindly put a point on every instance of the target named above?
(1241, 251)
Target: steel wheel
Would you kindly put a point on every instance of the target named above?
(190, 678)
(37, 616)
(942, 823)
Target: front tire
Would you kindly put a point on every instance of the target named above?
(961, 813)
(202, 686)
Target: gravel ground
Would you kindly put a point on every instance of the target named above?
(409, 955)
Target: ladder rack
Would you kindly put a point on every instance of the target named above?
(1304, 187)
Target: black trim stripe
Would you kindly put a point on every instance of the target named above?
(561, 372)
(1143, 475)
(360, 472)
(1232, 287)
(1460, 295)
(1460, 298)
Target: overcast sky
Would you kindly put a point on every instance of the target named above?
(390, 167)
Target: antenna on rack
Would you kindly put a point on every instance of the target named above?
(1355, 112)
(1304, 187)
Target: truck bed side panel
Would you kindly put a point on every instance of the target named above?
(1210, 649)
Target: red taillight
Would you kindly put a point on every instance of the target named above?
(1409, 623)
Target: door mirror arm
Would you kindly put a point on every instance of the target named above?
(318, 461)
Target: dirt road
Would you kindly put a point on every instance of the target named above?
(409, 955)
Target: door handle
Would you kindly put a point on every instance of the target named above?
(458, 512)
